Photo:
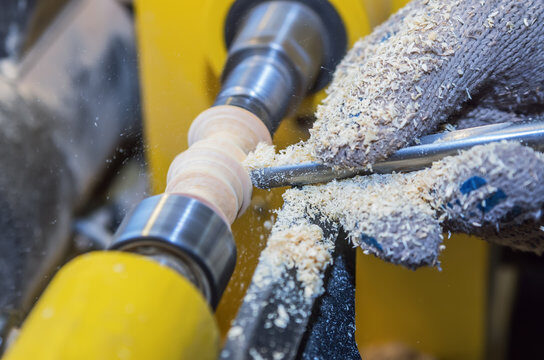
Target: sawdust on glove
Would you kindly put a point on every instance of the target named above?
(434, 61)
(466, 62)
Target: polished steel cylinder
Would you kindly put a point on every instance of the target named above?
(274, 60)
(184, 234)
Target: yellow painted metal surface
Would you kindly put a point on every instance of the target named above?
(441, 313)
(112, 305)
(182, 53)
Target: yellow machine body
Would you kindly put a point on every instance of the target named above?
(182, 52)
(113, 305)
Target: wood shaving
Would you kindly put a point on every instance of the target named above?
(265, 155)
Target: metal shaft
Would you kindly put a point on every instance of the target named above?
(274, 60)
(184, 234)
(431, 148)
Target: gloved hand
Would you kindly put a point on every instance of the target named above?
(468, 63)
(435, 61)
(401, 218)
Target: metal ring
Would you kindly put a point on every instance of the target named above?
(185, 227)
(335, 35)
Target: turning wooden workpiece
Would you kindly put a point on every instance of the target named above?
(211, 169)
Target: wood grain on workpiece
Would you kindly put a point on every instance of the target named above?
(211, 169)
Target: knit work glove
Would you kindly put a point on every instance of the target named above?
(494, 190)
(433, 62)
(466, 63)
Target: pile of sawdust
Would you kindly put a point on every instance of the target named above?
(265, 155)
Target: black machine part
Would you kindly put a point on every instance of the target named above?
(277, 320)
(334, 39)
(331, 329)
